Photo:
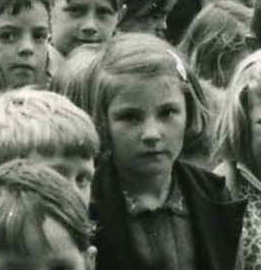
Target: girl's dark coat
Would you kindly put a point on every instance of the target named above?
(215, 220)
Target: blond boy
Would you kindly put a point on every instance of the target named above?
(49, 129)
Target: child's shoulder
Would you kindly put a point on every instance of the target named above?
(206, 182)
(198, 170)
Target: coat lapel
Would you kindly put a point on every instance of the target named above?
(217, 226)
(112, 208)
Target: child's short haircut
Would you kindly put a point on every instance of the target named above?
(28, 194)
(116, 4)
(233, 132)
(16, 6)
(45, 122)
(141, 56)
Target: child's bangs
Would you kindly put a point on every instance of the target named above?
(65, 144)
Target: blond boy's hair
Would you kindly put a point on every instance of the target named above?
(45, 122)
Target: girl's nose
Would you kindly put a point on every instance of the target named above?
(26, 47)
(150, 131)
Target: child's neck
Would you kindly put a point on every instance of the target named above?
(152, 188)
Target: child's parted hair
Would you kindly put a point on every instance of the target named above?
(215, 39)
(45, 122)
(232, 134)
(16, 6)
(141, 56)
(29, 193)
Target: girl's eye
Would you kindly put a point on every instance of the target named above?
(8, 36)
(130, 117)
(82, 181)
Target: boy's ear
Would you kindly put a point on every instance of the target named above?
(122, 13)
(90, 258)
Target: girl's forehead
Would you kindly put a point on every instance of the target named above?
(148, 92)
(130, 81)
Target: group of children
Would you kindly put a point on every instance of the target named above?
(96, 127)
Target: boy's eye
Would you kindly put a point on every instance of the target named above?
(83, 180)
(105, 11)
(61, 170)
(40, 36)
(8, 36)
(75, 11)
(167, 113)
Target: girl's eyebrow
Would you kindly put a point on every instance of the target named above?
(127, 107)
(123, 110)
(11, 26)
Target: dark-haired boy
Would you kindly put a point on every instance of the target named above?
(24, 30)
(77, 22)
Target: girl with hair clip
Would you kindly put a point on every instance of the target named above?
(238, 143)
(154, 210)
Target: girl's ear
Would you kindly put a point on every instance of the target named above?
(90, 258)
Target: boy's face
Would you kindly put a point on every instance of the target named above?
(78, 171)
(78, 22)
(63, 252)
(23, 45)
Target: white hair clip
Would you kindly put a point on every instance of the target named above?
(179, 65)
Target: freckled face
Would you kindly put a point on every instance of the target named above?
(147, 121)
